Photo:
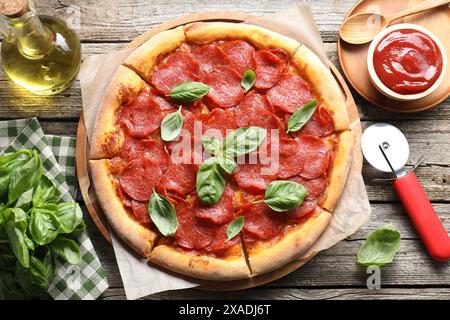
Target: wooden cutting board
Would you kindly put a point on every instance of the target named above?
(82, 151)
(353, 57)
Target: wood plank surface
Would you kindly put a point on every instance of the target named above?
(107, 26)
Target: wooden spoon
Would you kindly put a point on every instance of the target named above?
(363, 27)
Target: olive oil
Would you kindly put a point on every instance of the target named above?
(40, 53)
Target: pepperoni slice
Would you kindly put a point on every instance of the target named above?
(140, 177)
(179, 67)
(271, 122)
(251, 179)
(281, 54)
(290, 94)
(241, 55)
(316, 157)
(219, 121)
(209, 57)
(151, 149)
(127, 145)
(251, 108)
(303, 210)
(163, 104)
(126, 200)
(220, 243)
(290, 158)
(225, 87)
(141, 116)
(192, 232)
(262, 222)
(189, 150)
(140, 211)
(220, 213)
(315, 186)
(321, 124)
(269, 68)
(180, 178)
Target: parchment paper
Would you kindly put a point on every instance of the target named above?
(351, 212)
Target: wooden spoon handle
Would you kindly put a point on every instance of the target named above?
(423, 6)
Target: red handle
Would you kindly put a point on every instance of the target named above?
(423, 216)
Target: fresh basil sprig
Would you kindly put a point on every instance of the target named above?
(248, 80)
(171, 126)
(163, 214)
(32, 225)
(284, 195)
(238, 142)
(210, 181)
(301, 116)
(380, 247)
(211, 174)
(189, 91)
(235, 227)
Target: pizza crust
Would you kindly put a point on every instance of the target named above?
(138, 237)
(339, 170)
(204, 267)
(145, 57)
(269, 256)
(261, 38)
(106, 138)
(324, 85)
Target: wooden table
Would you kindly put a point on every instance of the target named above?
(333, 274)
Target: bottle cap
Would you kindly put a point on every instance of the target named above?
(13, 8)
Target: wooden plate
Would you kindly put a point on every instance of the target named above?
(82, 152)
(353, 57)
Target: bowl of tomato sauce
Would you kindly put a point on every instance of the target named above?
(406, 62)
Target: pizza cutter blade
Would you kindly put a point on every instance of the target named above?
(387, 150)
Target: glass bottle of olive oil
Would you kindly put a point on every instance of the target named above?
(40, 53)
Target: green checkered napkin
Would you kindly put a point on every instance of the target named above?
(88, 279)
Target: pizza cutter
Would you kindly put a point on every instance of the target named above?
(386, 149)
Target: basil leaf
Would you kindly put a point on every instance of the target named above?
(9, 162)
(211, 144)
(171, 126)
(301, 116)
(24, 200)
(67, 249)
(43, 226)
(69, 216)
(4, 184)
(235, 227)
(243, 140)
(189, 91)
(380, 247)
(210, 182)
(226, 163)
(42, 271)
(283, 195)
(248, 80)
(15, 228)
(25, 177)
(163, 214)
(46, 192)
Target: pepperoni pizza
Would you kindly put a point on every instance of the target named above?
(131, 163)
